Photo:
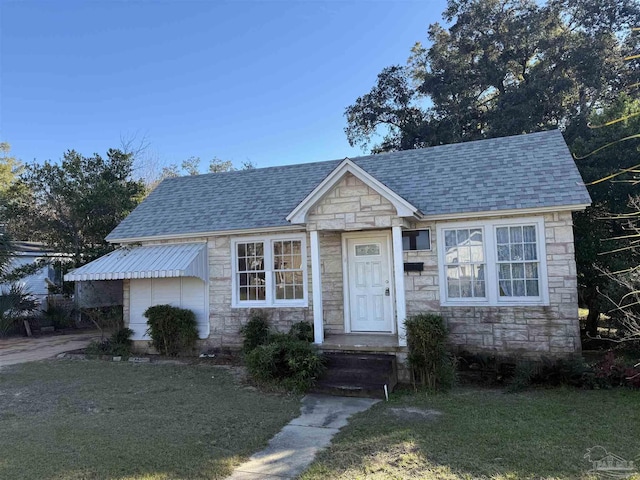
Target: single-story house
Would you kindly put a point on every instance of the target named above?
(479, 232)
(44, 277)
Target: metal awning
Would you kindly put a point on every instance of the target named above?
(152, 261)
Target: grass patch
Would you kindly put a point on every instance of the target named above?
(99, 420)
(484, 434)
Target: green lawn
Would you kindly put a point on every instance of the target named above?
(472, 433)
(101, 420)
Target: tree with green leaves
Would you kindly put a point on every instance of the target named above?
(503, 67)
(507, 67)
(601, 238)
(10, 168)
(6, 253)
(72, 205)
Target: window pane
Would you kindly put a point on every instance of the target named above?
(465, 289)
(478, 287)
(531, 270)
(515, 234)
(476, 236)
(416, 240)
(529, 234)
(517, 270)
(450, 238)
(479, 273)
(518, 288)
(366, 250)
(503, 253)
(241, 250)
(530, 251)
(242, 264)
(453, 289)
(517, 252)
(452, 272)
(477, 253)
(532, 288)
(502, 235)
(452, 255)
(463, 237)
(504, 271)
(505, 288)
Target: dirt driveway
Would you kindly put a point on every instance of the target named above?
(23, 349)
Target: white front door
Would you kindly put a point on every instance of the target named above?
(370, 305)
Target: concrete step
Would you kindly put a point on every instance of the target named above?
(351, 360)
(366, 390)
(358, 375)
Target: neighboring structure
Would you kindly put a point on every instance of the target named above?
(39, 282)
(480, 232)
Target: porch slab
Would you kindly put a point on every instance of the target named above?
(362, 342)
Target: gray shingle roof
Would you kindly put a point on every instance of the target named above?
(523, 171)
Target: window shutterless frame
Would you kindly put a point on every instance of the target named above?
(493, 298)
(270, 271)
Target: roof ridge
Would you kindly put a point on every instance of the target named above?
(364, 157)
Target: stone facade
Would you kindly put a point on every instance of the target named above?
(352, 205)
(226, 321)
(533, 331)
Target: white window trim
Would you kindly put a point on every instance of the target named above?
(270, 301)
(418, 230)
(493, 299)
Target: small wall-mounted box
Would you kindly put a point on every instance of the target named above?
(414, 266)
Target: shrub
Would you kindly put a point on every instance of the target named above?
(302, 331)
(15, 304)
(58, 317)
(172, 330)
(255, 332)
(572, 371)
(119, 344)
(613, 371)
(286, 361)
(430, 363)
(105, 318)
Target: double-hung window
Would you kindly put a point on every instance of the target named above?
(496, 262)
(269, 271)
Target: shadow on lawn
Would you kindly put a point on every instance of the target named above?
(99, 420)
(484, 435)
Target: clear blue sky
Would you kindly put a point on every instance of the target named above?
(266, 81)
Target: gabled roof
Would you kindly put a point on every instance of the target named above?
(299, 214)
(521, 172)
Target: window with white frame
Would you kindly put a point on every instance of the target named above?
(269, 271)
(464, 262)
(498, 262)
(518, 264)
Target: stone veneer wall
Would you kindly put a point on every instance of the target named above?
(227, 321)
(351, 205)
(532, 331)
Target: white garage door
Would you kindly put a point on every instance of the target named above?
(184, 292)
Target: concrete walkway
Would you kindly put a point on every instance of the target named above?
(24, 349)
(293, 449)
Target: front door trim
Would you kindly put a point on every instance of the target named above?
(386, 234)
